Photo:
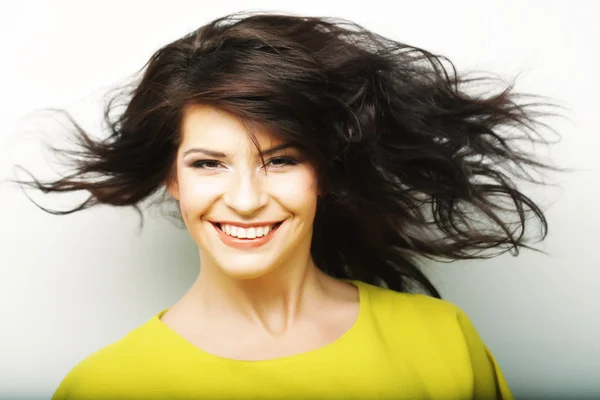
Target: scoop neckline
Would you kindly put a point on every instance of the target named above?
(331, 346)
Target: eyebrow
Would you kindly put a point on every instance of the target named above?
(218, 154)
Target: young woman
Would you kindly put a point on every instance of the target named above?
(314, 163)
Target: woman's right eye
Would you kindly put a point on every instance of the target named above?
(206, 164)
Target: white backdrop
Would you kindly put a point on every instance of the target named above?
(70, 285)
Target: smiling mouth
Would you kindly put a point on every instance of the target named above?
(249, 234)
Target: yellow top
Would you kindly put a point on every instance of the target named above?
(402, 346)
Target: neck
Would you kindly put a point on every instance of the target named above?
(274, 300)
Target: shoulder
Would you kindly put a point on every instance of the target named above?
(438, 334)
(414, 307)
(111, 363)
(418, 315)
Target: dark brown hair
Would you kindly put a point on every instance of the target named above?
(410, 165)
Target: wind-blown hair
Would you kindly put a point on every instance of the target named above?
(409, 164)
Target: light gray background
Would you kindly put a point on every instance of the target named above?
(70, 285)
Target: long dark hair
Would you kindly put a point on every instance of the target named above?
(410, 165)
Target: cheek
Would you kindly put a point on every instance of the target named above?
(297, 191)
(196, 194)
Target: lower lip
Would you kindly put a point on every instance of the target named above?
(245, 243)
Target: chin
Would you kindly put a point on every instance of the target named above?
(247, 272)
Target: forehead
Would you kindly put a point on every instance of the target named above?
(210, 126)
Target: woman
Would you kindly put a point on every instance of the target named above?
(314, 163)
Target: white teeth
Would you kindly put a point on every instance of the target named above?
(243, 233)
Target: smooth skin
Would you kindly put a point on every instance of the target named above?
(255, 303)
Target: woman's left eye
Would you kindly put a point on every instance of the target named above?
(281, 162)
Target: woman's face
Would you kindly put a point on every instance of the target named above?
(247, 218)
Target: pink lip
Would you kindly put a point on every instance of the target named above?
(245, 243)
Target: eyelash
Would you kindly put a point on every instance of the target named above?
(203, 164)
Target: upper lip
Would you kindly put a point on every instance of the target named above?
(246, 224)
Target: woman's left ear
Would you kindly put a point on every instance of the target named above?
(320, 190)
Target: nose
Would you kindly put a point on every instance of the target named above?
(245, 194)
